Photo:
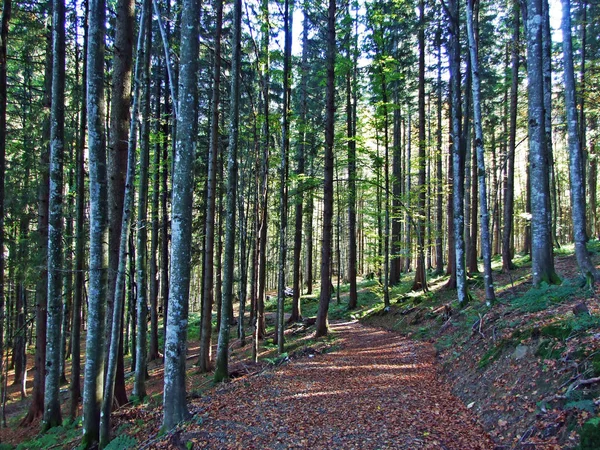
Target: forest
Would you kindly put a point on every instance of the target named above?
(183, 179)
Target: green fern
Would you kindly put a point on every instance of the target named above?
(122, 442)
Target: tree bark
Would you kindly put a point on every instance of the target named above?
(541, 214)
(94, 361)
(575, 157)
(221, 368)
(321, 324)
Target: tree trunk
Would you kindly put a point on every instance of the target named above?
(120, 99)
(36, 406)
(139, 385)
(204, 359)
(174, 400)
(490, 297)
(283, 174)
(94, 361)
(221, 368)
(52, 415)
(420, 281)
(541, 214)
(458, 157)
(509, 182)
(321, 324)
(575, 157)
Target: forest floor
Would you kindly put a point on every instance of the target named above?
(524, 374)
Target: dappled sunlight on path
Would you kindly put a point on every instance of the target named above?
(376, 390)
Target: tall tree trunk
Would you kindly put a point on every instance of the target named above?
(98, 278)
(351, 132)
(221, 368)
(458, 157)
(575, 157)
(509, 182)
(439, 242)
(139, 385)
(116, 325)
(299, 197)
(78, 300)
(541, 214)
(36, 406)
(153, 352)
(120, 99)
(52, 415)
(174, 400)
(321, 324)
(283, 174)
(204, 359)
(490, 297)
(420, 281)
(6, 15)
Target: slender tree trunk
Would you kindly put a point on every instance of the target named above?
(36, 406)
(458, 157)
(94, 365)
(420, 281)
(351, 132)
(321, 324)
(52, 414)
(221, 369)
(490, 297)
(115, 332)
(204, 359)
(120, 99)
(174, 401)
(5, 20)
(283, 175)
(299, 197)
(541, 214)
(78, 300)
(509, 184)
(139, 385)
(575, 157)
(439, 241)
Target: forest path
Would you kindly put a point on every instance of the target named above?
(376, 390)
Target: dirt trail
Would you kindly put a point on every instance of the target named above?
(376, 390)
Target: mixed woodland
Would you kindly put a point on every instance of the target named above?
(162, 160)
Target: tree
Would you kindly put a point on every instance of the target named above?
(94, 355)
(420, 274)
(479, 149)
(120, 100)
(204, 359)
(326, 247)
(139, 386)
(174, 400)
(541, 229)
(119, 299)
(52, 415)
(5, 20)
(575, 157)
(509, 182)
(458, 154)
(221, 369)
(283, 175)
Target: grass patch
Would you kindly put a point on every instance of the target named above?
(540, 298)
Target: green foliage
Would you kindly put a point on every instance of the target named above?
(549, 350)
(590, 435)
(542, 297)
(42, 441)
(494, 353)
(4, 446)
(583, 405)
(563, 329)
(122, 442)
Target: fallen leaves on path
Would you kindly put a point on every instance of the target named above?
(376, 390)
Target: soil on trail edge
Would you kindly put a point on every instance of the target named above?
(376, 390)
